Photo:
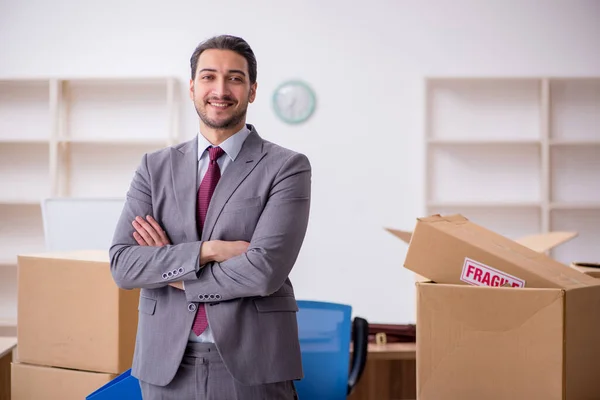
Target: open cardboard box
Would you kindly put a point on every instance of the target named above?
(591, 269)
(537, 339)
(541, 243)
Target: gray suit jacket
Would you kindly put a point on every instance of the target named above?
(263, 197)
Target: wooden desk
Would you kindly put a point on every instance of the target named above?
(390, 373)
(393, 351)
(7, 345)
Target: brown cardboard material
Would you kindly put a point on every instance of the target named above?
(505, 343)
(454, 250)
(540, 242)
(49, 383)
(591, 269)
(71, 313)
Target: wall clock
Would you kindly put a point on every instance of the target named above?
(294, 102)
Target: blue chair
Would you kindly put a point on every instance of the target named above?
(325, 331)
(123, 387)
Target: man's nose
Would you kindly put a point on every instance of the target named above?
(221, 88)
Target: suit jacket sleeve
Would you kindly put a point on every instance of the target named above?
(133, 266)
(274, 246)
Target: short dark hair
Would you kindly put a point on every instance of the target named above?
(226, 42)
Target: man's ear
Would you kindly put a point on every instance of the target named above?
(252, 92)
(192, 89)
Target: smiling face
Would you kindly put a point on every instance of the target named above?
(221, 91)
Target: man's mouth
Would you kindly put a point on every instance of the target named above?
(220, 105)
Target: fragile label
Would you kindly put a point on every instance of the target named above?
(479, 274)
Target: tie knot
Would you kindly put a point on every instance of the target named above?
(215, 152)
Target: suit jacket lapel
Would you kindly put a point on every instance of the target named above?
(184, 163)
(248, 158)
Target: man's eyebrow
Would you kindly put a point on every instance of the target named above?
(237, 71)
(231, 71)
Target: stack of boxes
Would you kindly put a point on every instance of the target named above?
(76, 328)
(498, 320)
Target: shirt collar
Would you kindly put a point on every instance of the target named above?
(232, 146)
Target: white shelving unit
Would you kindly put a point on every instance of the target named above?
(517, 155)
(71, 138)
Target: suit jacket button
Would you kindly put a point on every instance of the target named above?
(191, 307)
(180, 270)
(201, 296)
(211, 297)
(164, 276)
(218, 296)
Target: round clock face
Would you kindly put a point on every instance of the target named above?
(294, 102)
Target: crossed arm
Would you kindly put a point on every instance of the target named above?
(229, 269)
(148, 232)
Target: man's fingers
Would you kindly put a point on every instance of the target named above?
(149, 229)
(143, 233)
(161, 233)
(139, 239)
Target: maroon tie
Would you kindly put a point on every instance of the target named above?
(205, 192)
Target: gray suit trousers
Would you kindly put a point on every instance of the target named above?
(203, 376)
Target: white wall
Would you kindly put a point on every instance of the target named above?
(366, 61)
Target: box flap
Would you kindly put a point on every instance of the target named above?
(541, 242)
(455, 250)
(402, 235)
(546, 241)
(591, 269)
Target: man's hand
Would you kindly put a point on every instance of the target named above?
(221, 250)
(149, 233)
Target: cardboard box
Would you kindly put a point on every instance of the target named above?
(48, 383)
(535, 340)
(591, 269)
(541, 242)
(506, 343)
(71, 313)
(454, 250)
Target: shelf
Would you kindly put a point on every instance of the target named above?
(17, 140)
(575, 142)
(485, 205)
(19, 202)
(513, 222)
(575, 109)
(8, 323)
(8, 296)
(575, 206)
(584, 248)
(491, 142)
(24, 110)
(480, 109)
(8, 262)
(112, 110)
(96, 170)
(465, 174)
(117, 142)
(25, 172)
(575, 173)
(21, 232)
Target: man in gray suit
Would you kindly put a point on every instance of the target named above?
(210, 232)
